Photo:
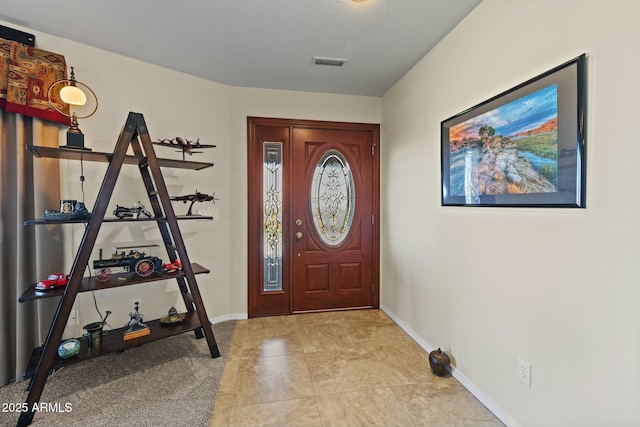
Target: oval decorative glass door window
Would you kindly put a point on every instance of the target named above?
(332, 198)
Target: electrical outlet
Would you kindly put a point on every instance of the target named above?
(135, 301)
(524, 372)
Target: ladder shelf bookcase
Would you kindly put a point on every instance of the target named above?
(44, 359)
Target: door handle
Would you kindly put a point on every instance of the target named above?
(299, 234)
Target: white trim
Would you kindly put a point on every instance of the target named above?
(466, 383)
(232, 316)
(422, 343)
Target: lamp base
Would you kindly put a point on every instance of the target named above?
(75, 141)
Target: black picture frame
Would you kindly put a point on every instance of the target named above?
(522, 148)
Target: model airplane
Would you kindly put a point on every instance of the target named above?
(183, 144)
(196, 197)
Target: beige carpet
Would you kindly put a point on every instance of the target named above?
(171, 382)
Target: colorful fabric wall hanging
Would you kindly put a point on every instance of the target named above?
(25, 76)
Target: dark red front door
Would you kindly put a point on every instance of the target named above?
(333, 219)
(313, 206)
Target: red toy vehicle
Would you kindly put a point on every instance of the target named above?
(54, 280)
(171, 267)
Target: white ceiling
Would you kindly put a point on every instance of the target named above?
(256, 43)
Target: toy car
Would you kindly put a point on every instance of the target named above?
(171, 267)
(54, 280)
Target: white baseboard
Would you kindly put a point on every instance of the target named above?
(466, 383)
(232, 316)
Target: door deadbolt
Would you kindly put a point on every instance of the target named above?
(298, 222)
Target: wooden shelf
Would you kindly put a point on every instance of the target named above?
(40, 221)
(133, 136)
(94, 156)
(116, 280)
(112, 342)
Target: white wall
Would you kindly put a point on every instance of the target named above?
(176, 104)
(557, 287)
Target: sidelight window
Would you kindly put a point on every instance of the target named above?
(272, 215)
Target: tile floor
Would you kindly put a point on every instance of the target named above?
(347, 368)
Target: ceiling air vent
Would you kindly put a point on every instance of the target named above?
(328, 62)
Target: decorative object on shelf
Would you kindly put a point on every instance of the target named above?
(196, 197)
(69, 348)
(172, 266)
(439, 362)
(523, 147)
(132, 212)
(55, 280)
(70, 93)
(134, 260)
(69, 210)
(172, 317)
(94, 331)
(183, 144)
(67, 206)
(135, 328)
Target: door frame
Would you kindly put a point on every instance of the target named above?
(255, 210)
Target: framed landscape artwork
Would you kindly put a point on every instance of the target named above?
(523, 147)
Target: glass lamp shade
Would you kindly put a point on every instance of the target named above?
(73, 95)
